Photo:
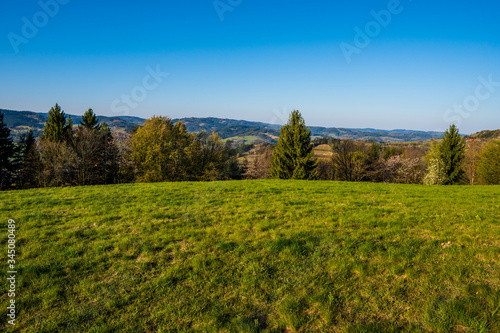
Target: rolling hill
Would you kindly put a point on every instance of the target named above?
(485, 135)
(21, 121)
(239, 131)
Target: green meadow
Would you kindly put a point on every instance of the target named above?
(254, 256)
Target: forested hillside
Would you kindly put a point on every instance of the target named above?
(239, 131)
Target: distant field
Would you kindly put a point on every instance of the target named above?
(249, 139)
(323, 151)
(255, 256)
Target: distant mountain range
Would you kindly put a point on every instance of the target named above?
(240, 131)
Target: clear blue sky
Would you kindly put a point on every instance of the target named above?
(264, 59)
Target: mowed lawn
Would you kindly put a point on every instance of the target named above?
(255, 256)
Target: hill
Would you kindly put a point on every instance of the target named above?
(485, 135)
(21, 121)
(250, 256)
(239, 131)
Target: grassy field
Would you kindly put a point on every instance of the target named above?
(239, 140)
(255, 256)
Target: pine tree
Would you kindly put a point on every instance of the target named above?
(68, 130)
(24, 157)
(292, 155)
(30, 142)
(57, 155)
(452, 152)
(32, 165)
(90, 120)
(6, 153)
(57, 127)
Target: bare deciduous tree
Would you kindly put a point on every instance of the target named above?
(348, 161)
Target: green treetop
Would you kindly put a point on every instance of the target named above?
(292, 155)
(89, 120)
(57, 126)
(451, 153)
(6, 153)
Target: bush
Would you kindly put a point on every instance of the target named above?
(489, 164)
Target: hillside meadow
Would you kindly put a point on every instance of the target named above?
(255, 256)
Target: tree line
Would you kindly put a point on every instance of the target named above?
(449, 161)
(161, 150)
(89, 154)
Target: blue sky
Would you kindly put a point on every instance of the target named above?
(422, 66)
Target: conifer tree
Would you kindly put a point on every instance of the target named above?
(90, 120)
(30, 142)
(68, 129)
(32, 166)
(57, 127)
(292, 155)
(25, 161)
(6, 152)
(452, 152)
(17, 162)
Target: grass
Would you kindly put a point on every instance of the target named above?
(249, 139)
(255, 256)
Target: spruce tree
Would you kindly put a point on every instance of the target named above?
(292, 155)
(32, 165)
(57, 127)
(90, 120)
(6, 152)
(451, 153)
(30, 142)
(68, 130)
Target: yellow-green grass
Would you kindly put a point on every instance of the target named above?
(255, 256)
